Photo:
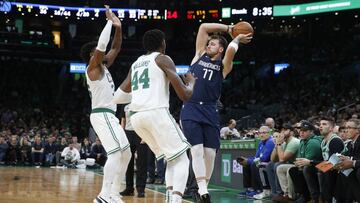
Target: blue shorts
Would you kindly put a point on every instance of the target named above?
(201, 133)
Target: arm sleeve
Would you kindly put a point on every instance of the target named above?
(104, 37)
(121, 97)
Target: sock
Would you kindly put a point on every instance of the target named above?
(111, 168)
(209, 156)
(202, 187)
(198, 164)
(180, 167)
(120, 175)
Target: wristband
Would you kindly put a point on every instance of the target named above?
(234, 45)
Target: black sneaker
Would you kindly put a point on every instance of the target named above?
(196, 197)
(141, 194)
(205, 198)
(127, 192)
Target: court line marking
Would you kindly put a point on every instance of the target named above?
(183, 200)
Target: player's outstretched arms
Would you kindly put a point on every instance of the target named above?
(231, 51)
(184, 91)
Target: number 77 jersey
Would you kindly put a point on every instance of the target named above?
(149, 84)
(209, 74)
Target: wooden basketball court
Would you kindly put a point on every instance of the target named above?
(50, 185)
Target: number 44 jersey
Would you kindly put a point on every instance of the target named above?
(149, 84)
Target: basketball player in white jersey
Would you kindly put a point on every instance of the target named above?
(148, 80)
(102, 118)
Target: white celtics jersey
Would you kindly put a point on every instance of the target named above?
(149, 84)
(101, 91)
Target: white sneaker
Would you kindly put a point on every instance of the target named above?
(262, 195)
(100, 199)
(116, 199)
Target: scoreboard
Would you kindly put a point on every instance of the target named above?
(85, 12)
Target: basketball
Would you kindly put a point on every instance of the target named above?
(242, 27)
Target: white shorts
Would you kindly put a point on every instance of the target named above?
(109, 131)
(160, 132)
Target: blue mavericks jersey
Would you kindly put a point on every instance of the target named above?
(209, 80)
(201, 107)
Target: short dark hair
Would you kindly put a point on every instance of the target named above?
(86, 49)
(222, 41)
(329, 119)
(153, 39)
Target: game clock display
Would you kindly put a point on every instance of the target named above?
(264, 11)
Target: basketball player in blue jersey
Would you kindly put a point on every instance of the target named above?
(199, 116)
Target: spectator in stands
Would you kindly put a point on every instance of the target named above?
(25, 151)
(75, 142)
(13, 151)
(71, 156)
(348, 187)
(285, 152)
(60, 148)
(37, 151)
(85, 151)
(270, 122)
(98, 152)
(3, 149)
(50, 150)
(229, 132)
(304, 175)
(343, 135)
(251, 179)
(330, 145)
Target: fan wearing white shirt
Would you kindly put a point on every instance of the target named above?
(229, 132)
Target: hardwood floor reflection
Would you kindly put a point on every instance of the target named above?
(34, 185)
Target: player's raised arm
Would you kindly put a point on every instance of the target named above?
(231, 51)
(184, 91)
(117, 40)
(95, 69)
(203, 36)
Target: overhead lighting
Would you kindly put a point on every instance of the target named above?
(283, 21)
(356, 16)
(316, 18)
(272, 18)
(220, 19)
(293, 17)
(336, 13)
